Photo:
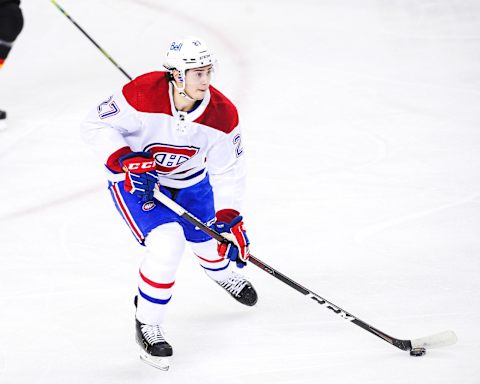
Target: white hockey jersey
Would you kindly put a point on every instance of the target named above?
(142, 117)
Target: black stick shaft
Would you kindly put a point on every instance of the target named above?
(401, 344)
(93, 41)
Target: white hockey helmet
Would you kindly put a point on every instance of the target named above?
(187, 53)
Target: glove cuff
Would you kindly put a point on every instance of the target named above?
(113, 161)
(226, 215)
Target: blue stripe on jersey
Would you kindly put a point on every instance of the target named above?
(191, 176)
(152, 299)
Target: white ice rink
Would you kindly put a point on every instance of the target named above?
(362, 129)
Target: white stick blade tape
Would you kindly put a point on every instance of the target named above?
(441, 339)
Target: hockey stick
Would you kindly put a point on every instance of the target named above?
(89, 38)
(415, 346)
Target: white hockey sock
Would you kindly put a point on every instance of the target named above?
(165, 245)
(214, 266)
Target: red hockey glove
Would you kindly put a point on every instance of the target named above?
(140, 178)
(229, 223)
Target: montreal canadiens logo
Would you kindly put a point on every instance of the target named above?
(170, 157)
(148, 206)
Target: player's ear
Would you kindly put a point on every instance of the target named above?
(177, 76)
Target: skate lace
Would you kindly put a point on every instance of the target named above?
(234, 283)
(153, 334)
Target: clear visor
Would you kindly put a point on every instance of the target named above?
(202, 73)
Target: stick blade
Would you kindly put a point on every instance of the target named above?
(441, 339)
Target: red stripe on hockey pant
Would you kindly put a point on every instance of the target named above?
(154, 284)
(126, 213)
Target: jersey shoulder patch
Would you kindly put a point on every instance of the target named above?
(149, 93)
(220, 113)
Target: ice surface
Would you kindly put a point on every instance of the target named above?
(361, 124)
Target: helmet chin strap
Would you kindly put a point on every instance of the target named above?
(181, 90)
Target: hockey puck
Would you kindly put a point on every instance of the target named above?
(418, 351)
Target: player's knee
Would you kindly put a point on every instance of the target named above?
(165, 245)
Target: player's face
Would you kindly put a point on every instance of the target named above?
(197, 81)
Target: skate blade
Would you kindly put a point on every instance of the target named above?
(162, 363)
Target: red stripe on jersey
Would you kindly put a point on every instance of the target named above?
(210, 261)
(220, 113)
(126, 213)
(156, 285)
(149, 93)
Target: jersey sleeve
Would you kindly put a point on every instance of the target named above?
(227, 169)
(105, 127)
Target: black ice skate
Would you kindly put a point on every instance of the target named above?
(155, 350)
(240, 289)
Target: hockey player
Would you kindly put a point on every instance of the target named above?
(174, 129)
(11, 24)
